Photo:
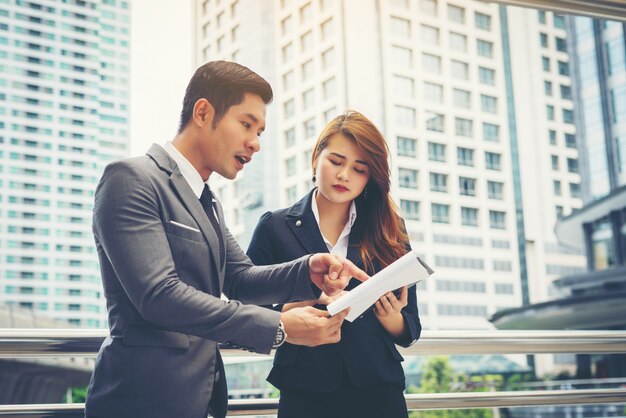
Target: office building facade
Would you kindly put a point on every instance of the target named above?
(440, 79)
(64, 84)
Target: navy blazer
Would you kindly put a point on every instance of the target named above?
(366, 350)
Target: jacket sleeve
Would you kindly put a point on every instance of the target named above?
(131, 238)
(262, 250)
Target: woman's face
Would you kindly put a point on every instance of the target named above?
(341, 171)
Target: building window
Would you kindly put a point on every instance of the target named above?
(436, 152)
(552, 136)
(484, 48)
(434, 122)
(482, 21)
(487, 76)
(328, 58)
(290, 166)
(541, 14)
(496, 219)
(469, 216)
(456, 14)
(556, 186)
(307, 70)
(306, 13)
(467, 186)
(458, 42)
(459, 70)
(329, 87)
(492, 160)
(403, 57)
(563, 68)
(561, 44)
(308, 99)
(288, 79)
(410, 209)
(407, 147)
(550, 112)
(570, 140)
(430, 35)
(306, 42)
(287, 53)
(438, 182)
(327, 29)
(555, 162)
(428, 7)
(462, 98)
(547, 88)
(290, 137)
(495, 190)
(465, 156)
(431, 63)
(463, 127)
(440, 213)
(309, 128)
(404, 87)
(491, 132)
(433, 92)
(286, 25)
(566, 92)
(568, 116)
(488, 104)
(401, 27)
(543, 39)
(545, 62)
(572, 165)
(405, 116)
(407, 178)
(289, 108)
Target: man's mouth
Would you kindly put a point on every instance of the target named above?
(243, 159)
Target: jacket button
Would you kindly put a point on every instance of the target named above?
(298, 222)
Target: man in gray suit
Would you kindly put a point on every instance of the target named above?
(166, 257)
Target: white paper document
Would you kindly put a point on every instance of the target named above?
(405, 271)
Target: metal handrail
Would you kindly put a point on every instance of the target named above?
(29, 343)
(464, 400)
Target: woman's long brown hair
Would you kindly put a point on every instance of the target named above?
(383, 237)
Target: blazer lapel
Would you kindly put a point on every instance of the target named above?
(302, 223)
(188, 198)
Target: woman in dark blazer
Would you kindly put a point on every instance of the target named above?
(349, 213)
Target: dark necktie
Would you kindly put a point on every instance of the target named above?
(206, 199)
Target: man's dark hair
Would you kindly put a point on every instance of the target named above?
(223, 84)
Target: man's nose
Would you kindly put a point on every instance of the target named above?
(253, 143)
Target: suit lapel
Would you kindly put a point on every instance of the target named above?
(302, 223)
(188, 198)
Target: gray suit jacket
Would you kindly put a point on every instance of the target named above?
(162, 281)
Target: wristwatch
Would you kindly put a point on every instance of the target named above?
(281, 335)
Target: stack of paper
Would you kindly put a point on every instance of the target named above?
(405, 271)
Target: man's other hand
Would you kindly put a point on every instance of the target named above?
(332, 273)
(312, 327)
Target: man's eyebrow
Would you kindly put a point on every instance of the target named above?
(336, 154)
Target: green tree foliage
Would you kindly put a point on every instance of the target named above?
(438, 377)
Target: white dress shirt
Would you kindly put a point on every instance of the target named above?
(341, 247)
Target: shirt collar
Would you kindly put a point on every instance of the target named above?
(188, 171)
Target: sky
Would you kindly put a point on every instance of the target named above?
(161, 65)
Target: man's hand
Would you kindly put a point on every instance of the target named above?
(324, 299)
(331, 273)
(312, 327)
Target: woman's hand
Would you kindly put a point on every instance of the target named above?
(387, 310)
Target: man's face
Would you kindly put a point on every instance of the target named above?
(227, 148)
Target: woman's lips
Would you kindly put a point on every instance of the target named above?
(340, 188)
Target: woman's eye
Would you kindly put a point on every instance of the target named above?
(360, 171)
(333, 162)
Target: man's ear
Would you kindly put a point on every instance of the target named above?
(203, 112)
